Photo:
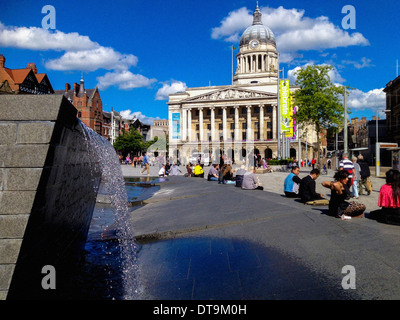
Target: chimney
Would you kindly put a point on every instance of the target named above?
(32, 66)
(67, 87)
(76, 88)
(2, 61)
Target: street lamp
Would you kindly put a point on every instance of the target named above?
(377, 146)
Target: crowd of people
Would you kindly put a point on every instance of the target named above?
(245, 179)
(349, 182)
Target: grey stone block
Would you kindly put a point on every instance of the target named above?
(22, 179)
(30, 107)
(16, 202)
(34, 132)
(9, 250)
(13, 226)
(6, 272)
(28, 156)
(8, 133)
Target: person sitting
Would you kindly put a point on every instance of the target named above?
(221, 174)
(250, 180)
(239, 176)
(338, 206)
(198, 171)
(307, 188)
(292, 183)
(161, 172)
(389, 199)
(174, 170)
(189, 170)
(228, 175)
(213, 173)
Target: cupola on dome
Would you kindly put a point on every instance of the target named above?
(257, 31)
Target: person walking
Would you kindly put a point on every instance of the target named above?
(146, 164)
(348, 166)
(356, 178)
(365, 176)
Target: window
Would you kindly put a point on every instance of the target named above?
(269, 125)
(220, 126)
(244, 125)
(232, 111)
(232, 126)
(256, 109)
(244, 110)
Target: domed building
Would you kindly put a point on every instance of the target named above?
(236, 121)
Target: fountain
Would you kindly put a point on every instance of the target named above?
(51, 166)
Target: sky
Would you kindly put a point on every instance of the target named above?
(138, 52)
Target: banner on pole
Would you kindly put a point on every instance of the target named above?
(287, 120)
(176, 125)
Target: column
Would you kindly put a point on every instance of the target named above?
(212, 123)
(274, 122)
(224, 123)
(236, 123)
(184, 125)
(261, 122)
(248, 131)
(201, 124)
(189, 122)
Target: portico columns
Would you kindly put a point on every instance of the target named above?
(261, 128)
(224, 123)
(184, 125)
(275, 124)
(201, 124)
(212, 123)
(189, 122)
(236, 123)
(248, 133)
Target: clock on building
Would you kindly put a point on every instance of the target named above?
(254, 44)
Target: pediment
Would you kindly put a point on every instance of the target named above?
(231, 94)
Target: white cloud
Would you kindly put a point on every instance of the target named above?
(365, 62)
(80, 53)
(128, 114)
(292, 29)
(91, 60)
(232, 25)
(124, 79)
(374, 99)
(33, 38)
(169, 88)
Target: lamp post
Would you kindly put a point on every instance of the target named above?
(279, 112)
(377, 146)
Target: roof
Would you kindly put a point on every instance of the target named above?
(257, 31)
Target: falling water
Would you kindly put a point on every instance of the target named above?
(103, 154)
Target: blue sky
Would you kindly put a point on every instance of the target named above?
(137, 52)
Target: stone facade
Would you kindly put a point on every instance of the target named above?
(47, 191)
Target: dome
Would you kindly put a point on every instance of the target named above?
(257, 31)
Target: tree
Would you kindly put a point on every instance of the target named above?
(318, 100)
(132, 142)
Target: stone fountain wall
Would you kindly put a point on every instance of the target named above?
(48, 188)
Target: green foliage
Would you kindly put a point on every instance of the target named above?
(318, 100)
(132, 142)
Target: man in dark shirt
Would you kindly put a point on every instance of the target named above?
(307, 187)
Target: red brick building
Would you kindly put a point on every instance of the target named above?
(87, 102)
(23, 81)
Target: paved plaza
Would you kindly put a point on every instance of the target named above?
(202, 240)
